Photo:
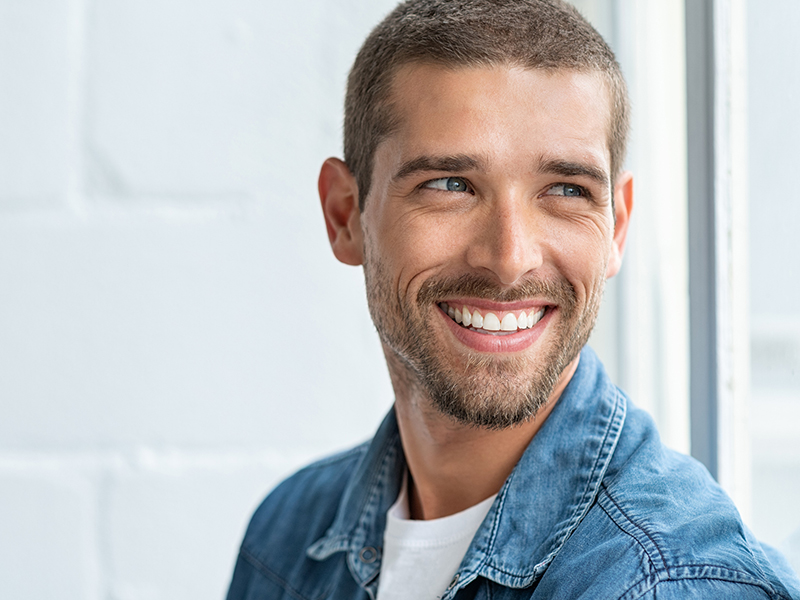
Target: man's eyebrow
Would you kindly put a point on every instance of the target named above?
(455, 163)
(572, 169)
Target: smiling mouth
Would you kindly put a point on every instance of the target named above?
(494, 323)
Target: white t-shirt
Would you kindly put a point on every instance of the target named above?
(420, 558)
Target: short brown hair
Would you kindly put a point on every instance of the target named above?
(535, 34)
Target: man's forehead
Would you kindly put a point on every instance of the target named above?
(408, 72)
(435, 106)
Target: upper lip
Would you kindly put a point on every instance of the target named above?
(491, 305)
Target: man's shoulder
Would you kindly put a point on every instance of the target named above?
(302, 507)
(679, 531)
(668, 493)
(672, 510)
(663, 514)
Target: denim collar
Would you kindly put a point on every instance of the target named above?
(541, 503)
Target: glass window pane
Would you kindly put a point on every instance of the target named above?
(774, 153)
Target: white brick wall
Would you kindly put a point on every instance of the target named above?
(48, 536)
(172, 323)
(174, 525)
(35, 104)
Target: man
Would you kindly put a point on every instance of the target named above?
(483, 193)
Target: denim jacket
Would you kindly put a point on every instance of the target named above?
(596, 508)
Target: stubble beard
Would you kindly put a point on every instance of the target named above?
(493, 392)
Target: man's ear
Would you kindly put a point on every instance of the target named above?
(623, 205)
(338, 193)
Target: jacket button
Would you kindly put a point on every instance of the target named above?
(368, 555)
(453, 582)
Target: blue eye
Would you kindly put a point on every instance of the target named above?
(448, 184)
(566, 189)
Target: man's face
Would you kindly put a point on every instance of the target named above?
(488, 234)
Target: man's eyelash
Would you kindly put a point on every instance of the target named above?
(583, 192)
(450, 184)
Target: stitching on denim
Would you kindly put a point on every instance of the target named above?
(743, 575)
(588, 496)
(327, 462)
(734, 575)
(581, 509)
(377, 475)
(364, 519)
(637, 584)
(267, 572)
(493, 534)
(678, 579)
(496, 522)
(764, 577)
(646, 533)
(628, 534)
(475, 573)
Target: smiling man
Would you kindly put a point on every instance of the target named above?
(484, 195)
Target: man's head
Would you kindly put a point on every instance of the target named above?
(534, 34)
(491, 195)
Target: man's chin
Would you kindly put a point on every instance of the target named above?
(497, 394)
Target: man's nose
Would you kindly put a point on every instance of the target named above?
(509, 240)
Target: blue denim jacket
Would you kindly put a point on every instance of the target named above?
(596, 508)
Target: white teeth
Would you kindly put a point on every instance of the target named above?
(491, 322)
(509, 323)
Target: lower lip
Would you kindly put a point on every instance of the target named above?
(509, 342)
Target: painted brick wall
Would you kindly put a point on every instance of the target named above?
(171, 318)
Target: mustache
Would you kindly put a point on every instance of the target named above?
(560, 291)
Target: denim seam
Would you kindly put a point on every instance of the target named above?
(496, 521)
(760, 569)
(473, 574)
(331, 534)
(358, 534)
(588, 497)
(375, 480)
(591, 490)
(639, 528)
(726, 574)
(657, 582)
(270, 574)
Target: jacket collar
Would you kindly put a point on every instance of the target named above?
(541, 503)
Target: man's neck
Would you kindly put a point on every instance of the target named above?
(453, 466)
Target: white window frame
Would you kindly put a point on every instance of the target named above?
(718, 242)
